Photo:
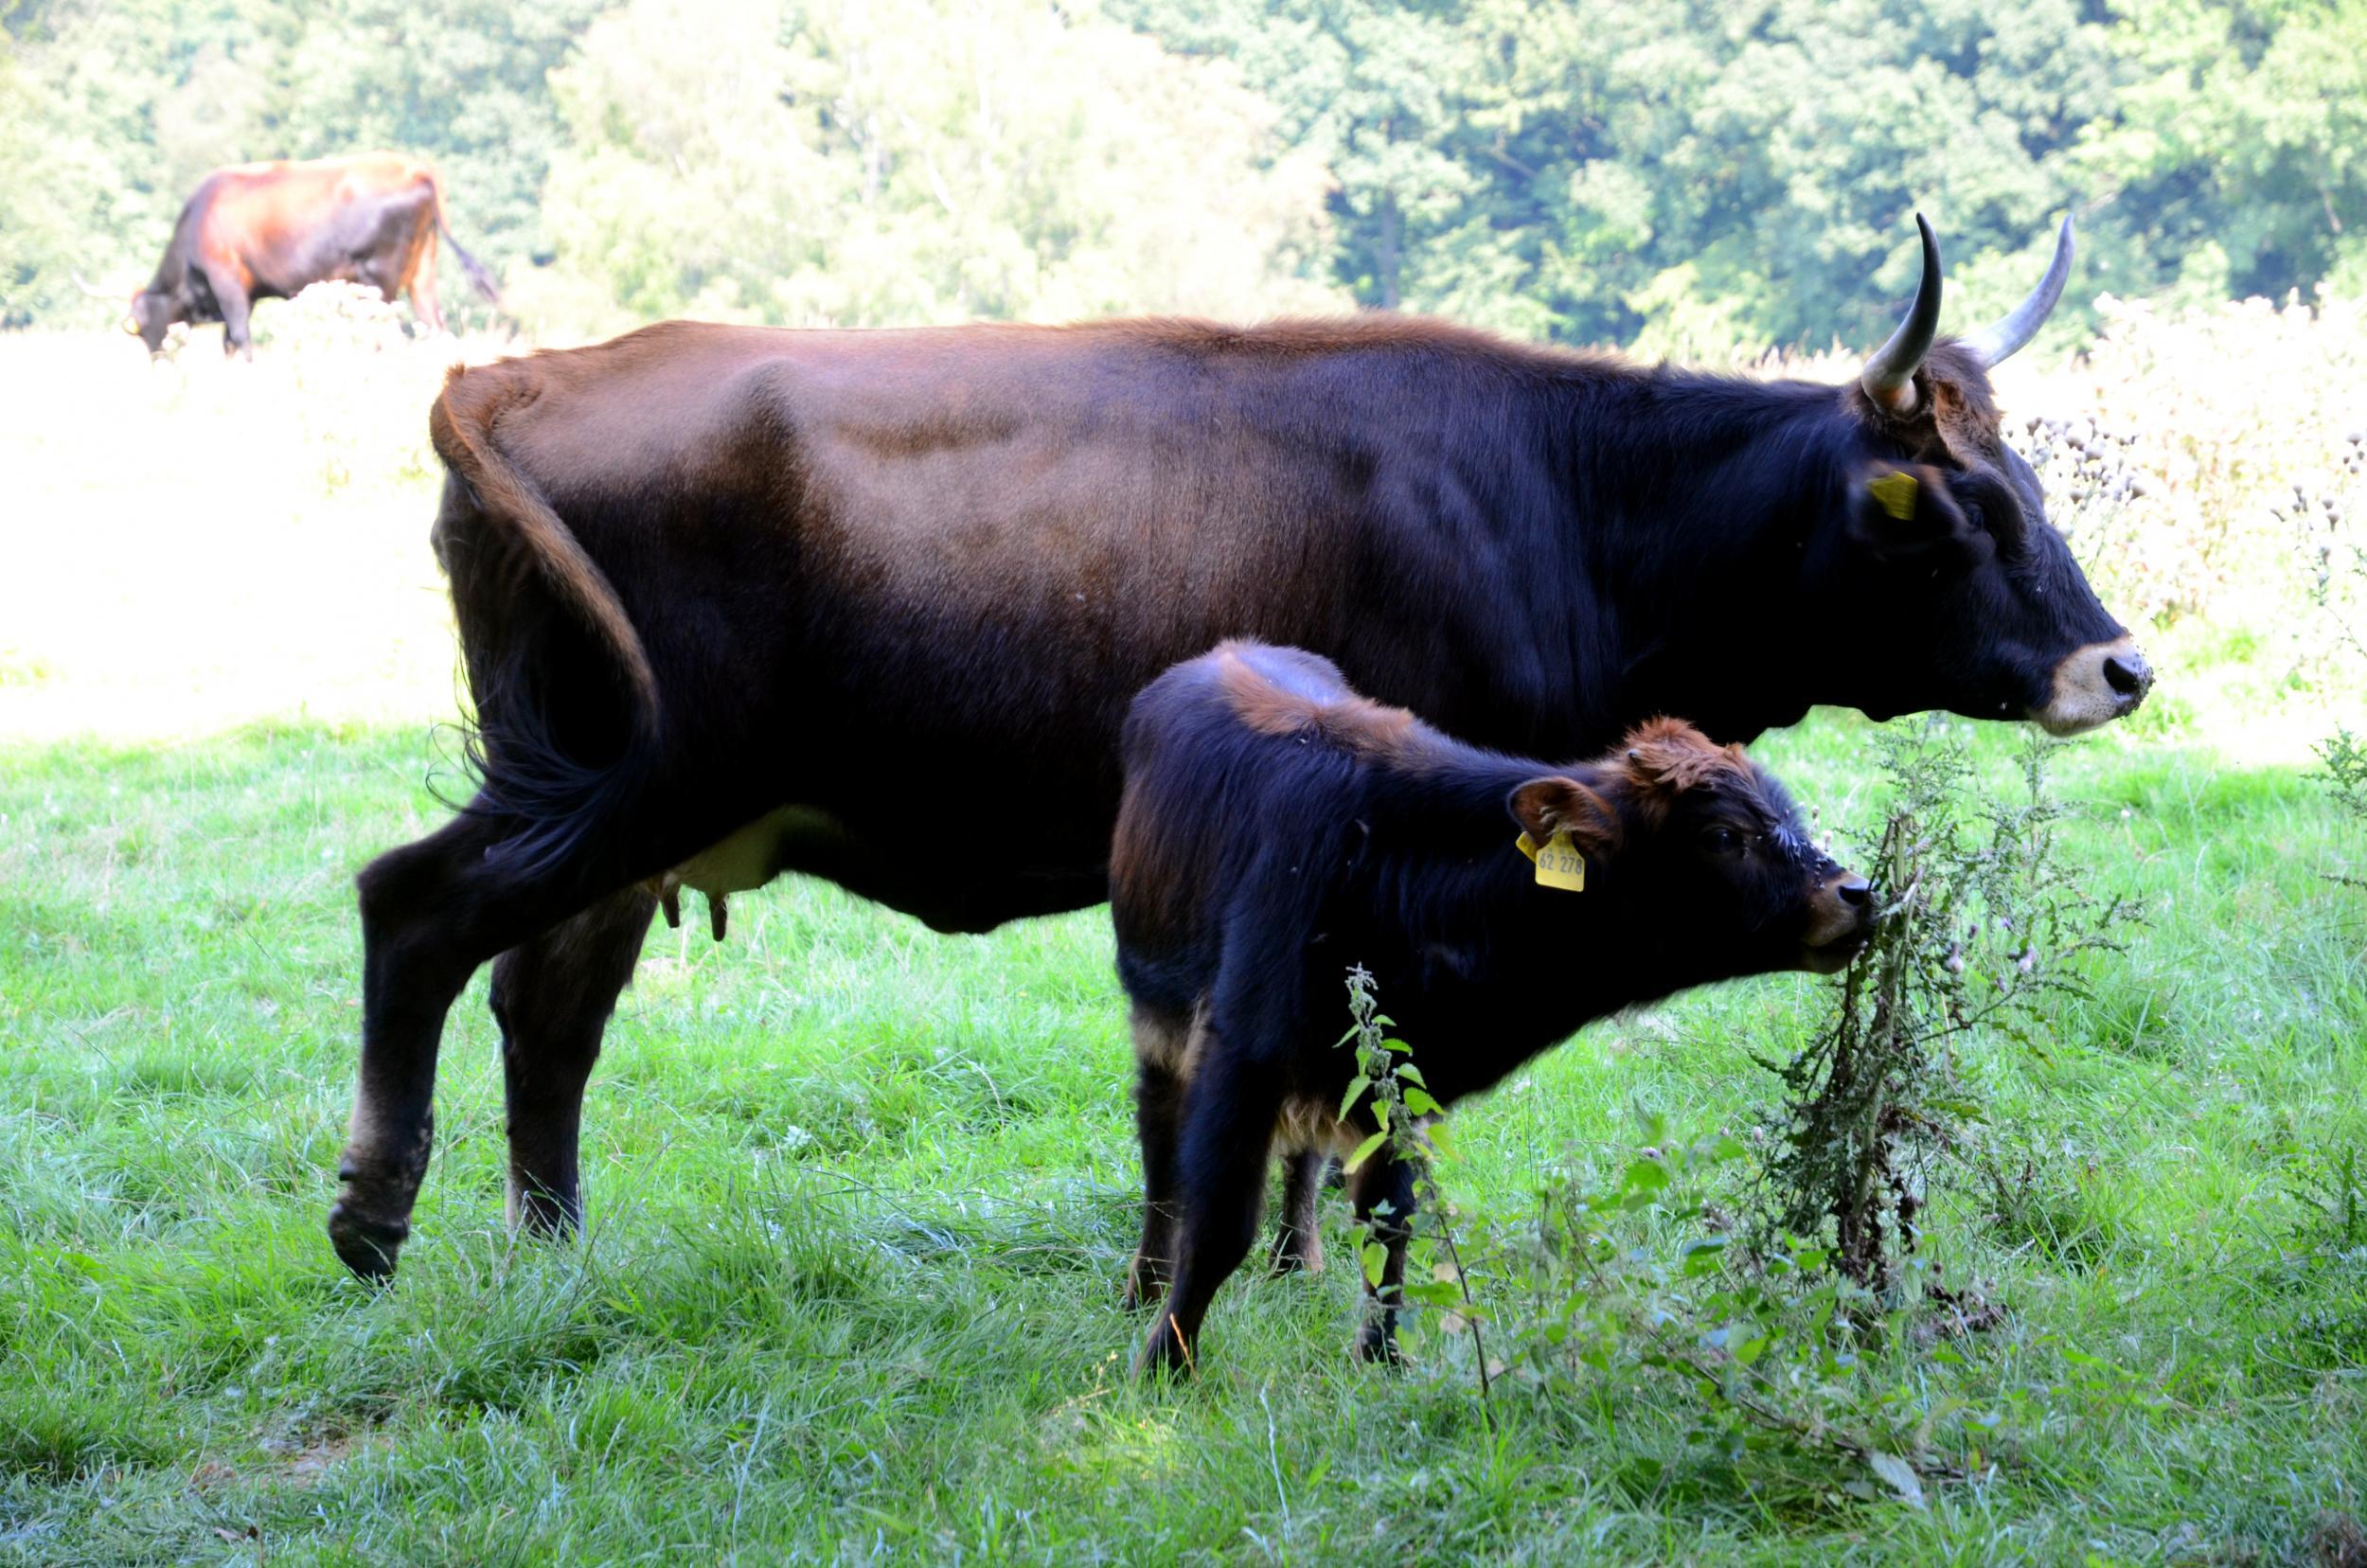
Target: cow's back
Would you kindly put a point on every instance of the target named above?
(863, 554)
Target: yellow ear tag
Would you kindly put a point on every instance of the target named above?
(1896, 491)
(1558, 863)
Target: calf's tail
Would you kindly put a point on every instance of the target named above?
(566, 703)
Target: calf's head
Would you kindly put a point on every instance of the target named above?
(1703, 858)
(1936, 552)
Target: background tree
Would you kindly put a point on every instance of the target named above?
(1682, 176)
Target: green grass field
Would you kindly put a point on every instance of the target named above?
(861, 1196)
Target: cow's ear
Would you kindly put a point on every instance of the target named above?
(1544, 807)
(1905, 512)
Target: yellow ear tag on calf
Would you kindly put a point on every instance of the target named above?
(1558, 863)
(1896, 491)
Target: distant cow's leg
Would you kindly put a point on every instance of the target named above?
(1229, 1112)
(1298, 1241)
(1382, 1181)
(231, 297)
(422, 285)
(553, 997)
(431, 912)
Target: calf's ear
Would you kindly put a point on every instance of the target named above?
(1905, 512)
(1544, 807)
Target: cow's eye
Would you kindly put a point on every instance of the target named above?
(1721, 841)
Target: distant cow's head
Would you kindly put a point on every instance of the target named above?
(1715, 875)
(152, 316)
(1959, 592)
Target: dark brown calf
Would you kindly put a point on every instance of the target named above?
(1277, 828)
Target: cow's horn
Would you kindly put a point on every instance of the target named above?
(1889, 377)
(1996, 341)
(94, 291)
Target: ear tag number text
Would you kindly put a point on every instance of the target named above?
(1558, 863)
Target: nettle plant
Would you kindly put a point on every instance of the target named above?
(1810, 1340)
(1604, 1287)
(1978, 926)
(2325, 526)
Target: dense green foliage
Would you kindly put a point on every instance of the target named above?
(1684, 174)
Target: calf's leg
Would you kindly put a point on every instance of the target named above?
(431, 912)
(1298, 1241)
(1158, 1107)
(1229, 1112)
(1382, 1184)
(553, 997)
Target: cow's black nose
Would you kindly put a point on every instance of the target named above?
(1854, 892)
(2128, 674)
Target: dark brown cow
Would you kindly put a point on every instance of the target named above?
(870, 606)
(1276, 828)
(271, 230)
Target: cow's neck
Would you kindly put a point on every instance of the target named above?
(1693, 496)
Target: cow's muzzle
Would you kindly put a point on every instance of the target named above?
(2094, 685)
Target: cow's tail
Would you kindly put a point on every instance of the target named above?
(479, 277)
(566, 705)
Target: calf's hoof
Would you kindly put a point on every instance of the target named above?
(367, 1244)
(1146, 1286)
(1298, 1255)
(1164, 1356)
(543, 1214)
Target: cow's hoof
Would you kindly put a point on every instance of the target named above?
(1375, 1347)
(368, 1246)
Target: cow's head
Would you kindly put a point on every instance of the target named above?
(1714, 874)
(1960, 594)
(152, 316)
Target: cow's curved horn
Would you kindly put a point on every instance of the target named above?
(1889, 377)
(94, 290)
(1998, 340)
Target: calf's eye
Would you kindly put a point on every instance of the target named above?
(1721, 841)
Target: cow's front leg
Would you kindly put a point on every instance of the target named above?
(553, 998)
(1382, 1191)
(231, 299)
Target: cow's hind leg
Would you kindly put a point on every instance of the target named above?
(431, 912)
(553, 997)
(421, 282)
